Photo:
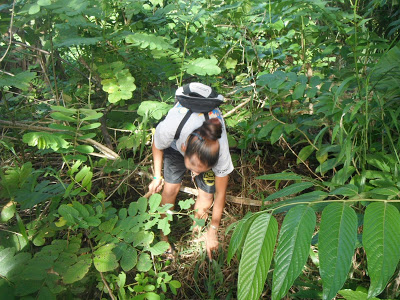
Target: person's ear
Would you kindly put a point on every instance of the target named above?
(183, 147)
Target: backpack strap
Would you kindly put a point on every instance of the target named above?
(184, 120)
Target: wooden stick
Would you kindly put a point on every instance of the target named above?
(107, 286)
(237, 107)
(103, 149)
(191, 191)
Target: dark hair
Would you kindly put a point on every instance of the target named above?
(204, 142)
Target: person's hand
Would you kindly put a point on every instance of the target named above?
(211, 241)
(156, 186)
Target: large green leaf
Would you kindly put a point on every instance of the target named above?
(239, 235)
(104, 259)
(145, 263)
(45, 140)
(349, 190)
(78, 270)
(287, 204)
(21, 80)
(290, 190)
(129, 259)
(304, 154)
(385, 74)
(159, 248)
(280, 176)
(336, 242)
(257, 255)
(144, 40)
(293, 248)
(154, 109)
(358, 294)
(204, 66)
(381, 240)
(9, 263)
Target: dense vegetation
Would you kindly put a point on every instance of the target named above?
(311, 86)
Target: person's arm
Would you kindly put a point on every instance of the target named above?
(156, 185)
(221, 184)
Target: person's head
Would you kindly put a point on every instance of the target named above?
(202, 147)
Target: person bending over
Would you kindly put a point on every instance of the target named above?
(202, 148)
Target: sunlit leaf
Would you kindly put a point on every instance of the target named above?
(8, 211)
(153, 109)
(21, 80)
(356, 295)
(256, 257)
(203, 66)
(239, 235)
(91, 126)
(62, 117)
(44, 2)
(154, 202)
(45, 140)
(78, 270)
(290, 190)
(336, 242)
(144, 40)
(164, 225)
(159, 248)
(276, 133)
(82, 173)
(304, 153)
(142, 204)
(381, 240)
(186, 204)
(86, 149)
(293, 248)
(298, 91)
(145, 263)
(129, 259)
(104, 259)
(9, 263)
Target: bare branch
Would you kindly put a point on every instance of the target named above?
(110, 154)
(10, 32)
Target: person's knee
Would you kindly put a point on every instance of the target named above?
(204, 201)
(170, 190)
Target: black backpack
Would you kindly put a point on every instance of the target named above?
(198, 98)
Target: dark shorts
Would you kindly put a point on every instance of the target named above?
(174, 170)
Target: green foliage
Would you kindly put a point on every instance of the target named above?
(292, 250)
(117, 81)
(381, 239)
(257, 255)
(79, 78)
(336, 242)
(117, 241)
(203, 66)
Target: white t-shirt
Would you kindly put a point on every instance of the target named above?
(165, 133)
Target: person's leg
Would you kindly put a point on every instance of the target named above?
(174, 169)
(169, 193)
(205, 198)
(203, 204)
